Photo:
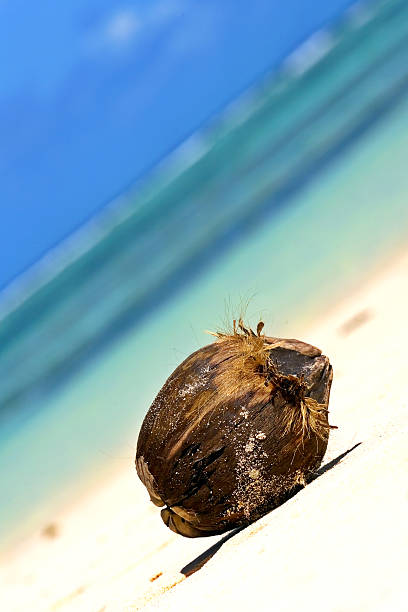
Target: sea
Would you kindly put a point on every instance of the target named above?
(277, 208)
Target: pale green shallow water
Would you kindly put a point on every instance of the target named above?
(335, 232)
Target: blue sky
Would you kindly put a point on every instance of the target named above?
(94, 92)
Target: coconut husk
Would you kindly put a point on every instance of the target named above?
(236, 427)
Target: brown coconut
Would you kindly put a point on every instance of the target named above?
(234, 430)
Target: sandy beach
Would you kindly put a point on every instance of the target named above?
(338, 545)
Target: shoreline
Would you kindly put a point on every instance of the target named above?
(101, 555)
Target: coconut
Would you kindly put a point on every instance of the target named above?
(237, 427)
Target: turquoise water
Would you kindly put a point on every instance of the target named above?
(301, 194)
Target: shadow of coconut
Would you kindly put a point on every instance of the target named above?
(202, 559)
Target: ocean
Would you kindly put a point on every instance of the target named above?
(280, 206)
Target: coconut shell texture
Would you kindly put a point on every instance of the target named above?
(236, 427)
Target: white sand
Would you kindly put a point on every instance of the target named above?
(339, 545)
